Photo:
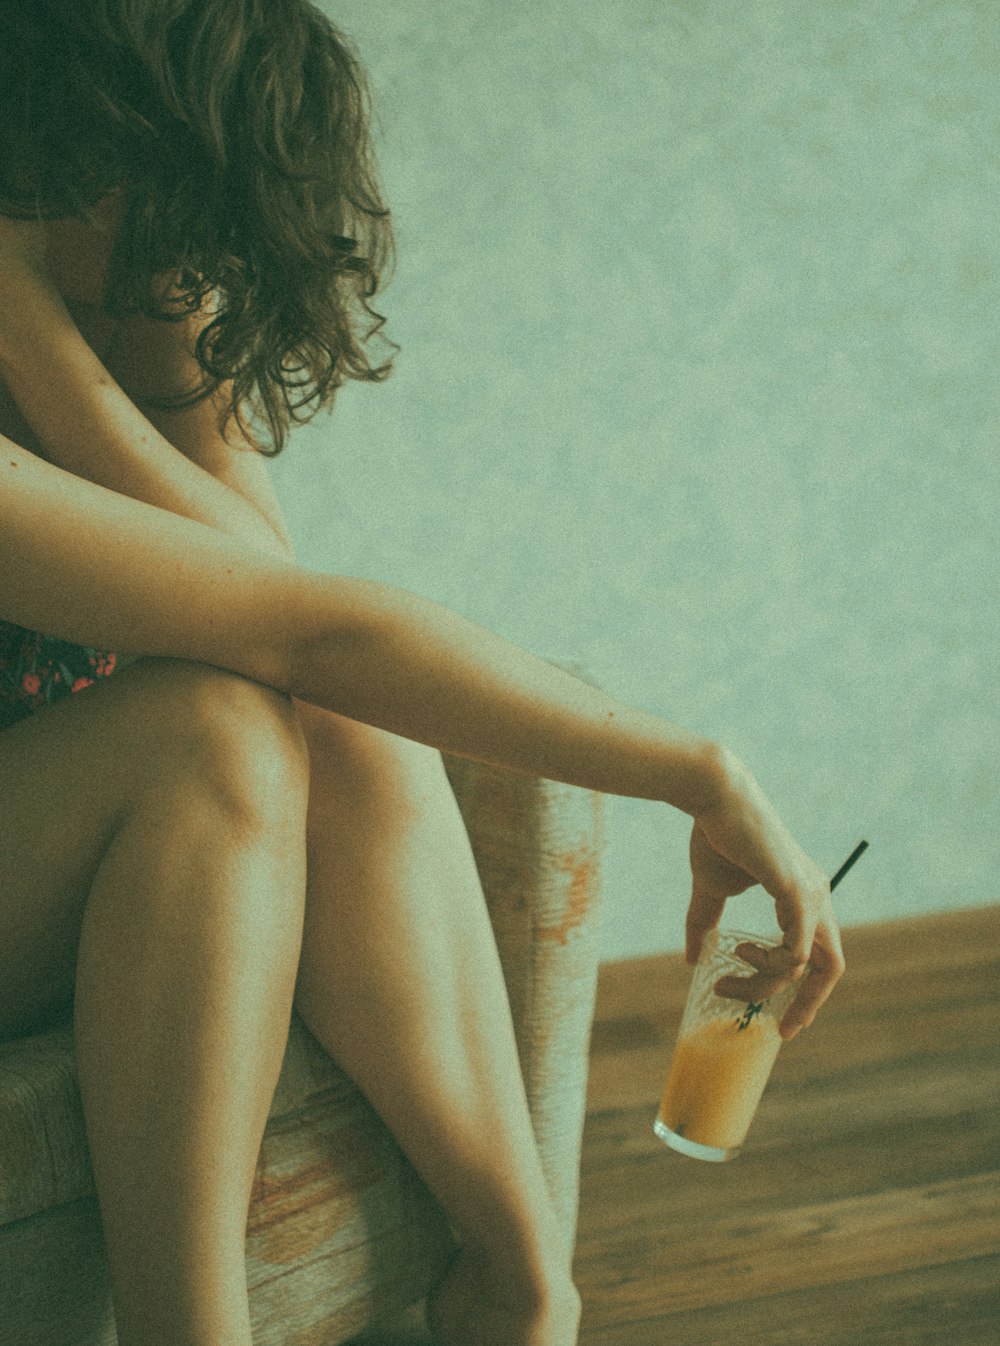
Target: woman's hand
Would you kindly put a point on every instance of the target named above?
(739, 841)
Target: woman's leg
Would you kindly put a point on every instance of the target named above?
(400, 980)
(161, 851)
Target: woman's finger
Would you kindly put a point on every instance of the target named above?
(816, 988)
(797, 914)
(703, 915)
(759, 987)
(826, 967)
(776, 969)
(802, 907)
(774, 960)
(714, 879)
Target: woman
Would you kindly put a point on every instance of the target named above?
(253, 812)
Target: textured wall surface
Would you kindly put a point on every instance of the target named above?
(698, 306)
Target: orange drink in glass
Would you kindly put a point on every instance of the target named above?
(723, 1057)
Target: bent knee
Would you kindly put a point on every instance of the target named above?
(371, 771)
(242, 738)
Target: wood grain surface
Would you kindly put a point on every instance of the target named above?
(865, 1206)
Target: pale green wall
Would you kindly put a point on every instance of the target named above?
(698, 305)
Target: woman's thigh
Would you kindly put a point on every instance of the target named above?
(68, 775)
(375, 795)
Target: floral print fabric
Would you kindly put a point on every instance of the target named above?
(36, 670)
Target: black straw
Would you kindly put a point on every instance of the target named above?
(859, 850)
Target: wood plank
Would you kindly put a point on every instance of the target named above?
(952, 1304)
(670, 1189)
(640, 1272)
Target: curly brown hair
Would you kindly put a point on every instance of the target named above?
(239, 131)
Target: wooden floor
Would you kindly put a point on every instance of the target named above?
(865, 1207)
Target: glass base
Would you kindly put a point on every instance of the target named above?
(692, 1148)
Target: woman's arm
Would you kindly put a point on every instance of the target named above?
(410, 666)
(150, 358)
(402, 662)
(90, 565)
(85, 422)
(121, 572)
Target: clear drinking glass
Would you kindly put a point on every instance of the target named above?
(723, 1057)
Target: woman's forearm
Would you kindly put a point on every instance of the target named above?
(92, 566)
(420, 670)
